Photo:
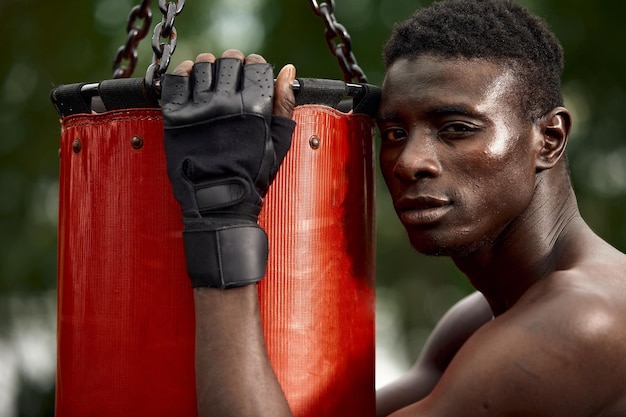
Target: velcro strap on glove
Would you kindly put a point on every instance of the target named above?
(226, 258)
(221, 193)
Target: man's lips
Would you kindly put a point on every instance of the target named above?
(422, 210)
(421, 202)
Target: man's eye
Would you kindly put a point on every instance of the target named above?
(457, 130)
(394, 134)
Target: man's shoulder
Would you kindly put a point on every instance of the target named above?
(588, 280)
(567, 334)
(585, 306)
(562, 353)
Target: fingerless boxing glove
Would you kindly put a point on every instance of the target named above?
(223, 149)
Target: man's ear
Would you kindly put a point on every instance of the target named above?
(555, 128)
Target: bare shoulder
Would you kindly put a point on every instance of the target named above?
(560, 348)
(581, 310)
(576, 321)
(582, 306)
(585, 303)
(557, 352)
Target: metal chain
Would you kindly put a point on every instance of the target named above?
(126, 57)
(164, 41)
(338, 41)
(163, 44)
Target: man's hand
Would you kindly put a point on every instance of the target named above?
(227, 130)
(284, 100)
(215, 137)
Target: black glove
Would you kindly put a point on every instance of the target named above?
(223, 149)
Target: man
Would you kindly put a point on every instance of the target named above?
(473, 153)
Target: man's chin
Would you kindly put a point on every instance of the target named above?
(430, 248)
(433, 251)
(441, 248)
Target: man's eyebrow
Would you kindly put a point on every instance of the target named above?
(452, 109)
(435, 112)
(388, 115)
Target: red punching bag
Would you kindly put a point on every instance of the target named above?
(317, 299)
(125, 307)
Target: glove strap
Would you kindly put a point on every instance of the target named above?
(226, 258)
(221, 193)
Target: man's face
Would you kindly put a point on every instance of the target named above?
(456, 155)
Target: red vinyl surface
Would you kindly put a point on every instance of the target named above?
(125, 307)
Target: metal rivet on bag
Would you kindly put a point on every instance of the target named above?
(314, 142)
(76, 146)
(136, 142)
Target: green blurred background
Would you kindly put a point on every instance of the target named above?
(51, 43)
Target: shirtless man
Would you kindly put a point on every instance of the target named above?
(473, 152)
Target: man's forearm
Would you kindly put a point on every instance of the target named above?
(233, 374)
(225, 136)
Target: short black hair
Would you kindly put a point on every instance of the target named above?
(501, 31)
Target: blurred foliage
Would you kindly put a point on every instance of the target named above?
(51, 43)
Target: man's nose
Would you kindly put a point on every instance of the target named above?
(419, 159)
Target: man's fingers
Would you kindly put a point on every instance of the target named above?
(184, 68)
(206, 57)
(284, 99)
(233, 53)
(255, 59)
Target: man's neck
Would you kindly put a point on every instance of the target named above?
(528, 248)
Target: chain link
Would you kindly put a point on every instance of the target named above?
(338, 41)
(164, 41)
(163, 44)
(125, 59)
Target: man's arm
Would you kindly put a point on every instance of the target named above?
(450, 333)
(233, 373)
(219, 176)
